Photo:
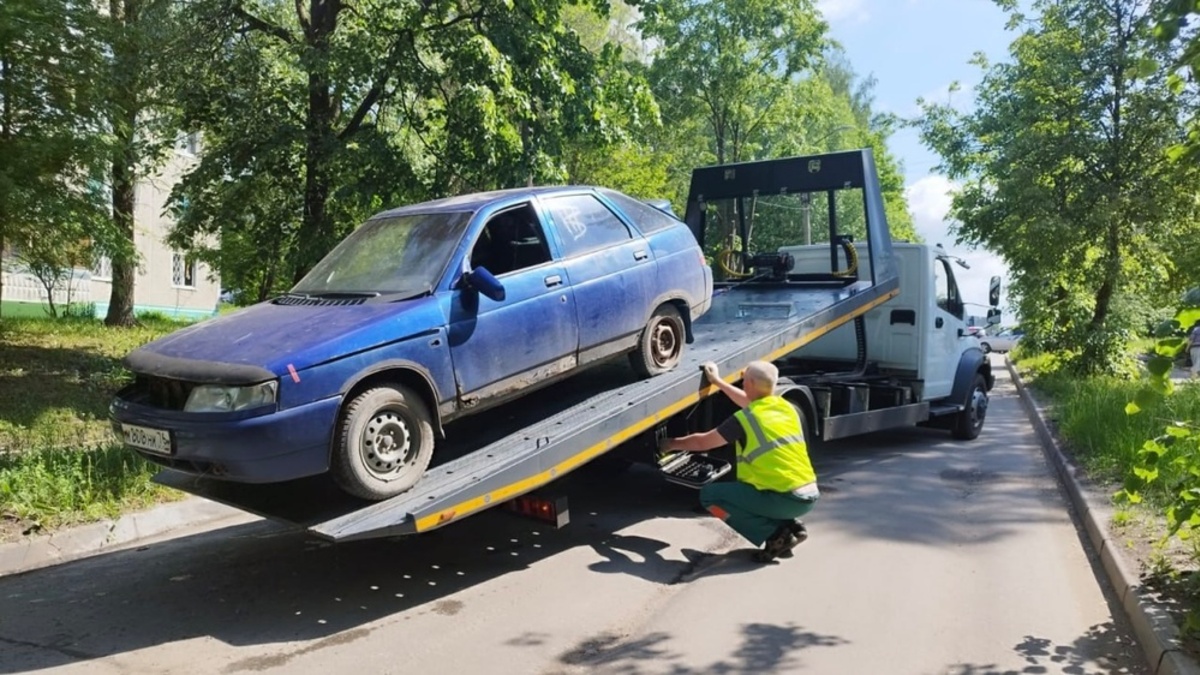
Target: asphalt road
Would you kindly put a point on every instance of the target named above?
(926, 555)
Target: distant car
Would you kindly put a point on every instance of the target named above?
(1003, 341)
(424, 314)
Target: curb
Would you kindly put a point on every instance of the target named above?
(1153, 626)
(108, 535)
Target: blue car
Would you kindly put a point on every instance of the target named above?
(422, 315)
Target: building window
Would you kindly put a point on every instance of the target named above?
(183, 270)
(102, 269)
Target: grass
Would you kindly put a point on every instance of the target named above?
(1090, 415)
(59, 460)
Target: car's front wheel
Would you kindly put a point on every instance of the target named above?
(661, 345)
(384, 443)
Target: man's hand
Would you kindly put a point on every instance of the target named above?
(664, 447)
(710, 371)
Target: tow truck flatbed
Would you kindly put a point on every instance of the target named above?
(747, 321)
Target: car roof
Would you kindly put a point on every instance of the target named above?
(474, 201)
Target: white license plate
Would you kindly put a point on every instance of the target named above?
(154, 440)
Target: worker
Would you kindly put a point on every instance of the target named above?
(776, 483)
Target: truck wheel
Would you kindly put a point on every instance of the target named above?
(384, 443)
(661, 345)
(969, 422)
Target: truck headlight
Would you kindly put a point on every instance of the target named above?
(217, 398)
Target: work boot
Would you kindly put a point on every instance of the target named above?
(778, 545)
(798, 530)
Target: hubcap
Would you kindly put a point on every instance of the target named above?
(387, 445)
(664, 343)
(979, 404)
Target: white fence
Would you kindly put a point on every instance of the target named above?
(24, 287)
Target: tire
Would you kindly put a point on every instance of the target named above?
(987, 349)
(395, 419)
(969, 423)
(660, 347)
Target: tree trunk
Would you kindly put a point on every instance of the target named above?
(316, 229)
(124, 106)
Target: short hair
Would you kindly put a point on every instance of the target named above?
(764, 374)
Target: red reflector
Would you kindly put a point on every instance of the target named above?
(553, 511)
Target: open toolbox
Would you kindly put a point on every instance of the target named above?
(691, 469)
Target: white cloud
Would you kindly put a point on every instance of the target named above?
(929, 200)
(838, 10)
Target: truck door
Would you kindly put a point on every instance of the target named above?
(945, 322)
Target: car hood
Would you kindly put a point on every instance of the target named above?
(261, 342)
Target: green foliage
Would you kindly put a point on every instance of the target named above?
(43, 489)
(1063, 173)
(1170, 461)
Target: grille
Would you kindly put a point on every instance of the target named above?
(299, 300)
(164, 393)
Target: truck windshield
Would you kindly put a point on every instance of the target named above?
(399, 255)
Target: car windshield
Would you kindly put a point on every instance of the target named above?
(402, 254)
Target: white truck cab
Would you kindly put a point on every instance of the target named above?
(920, 365)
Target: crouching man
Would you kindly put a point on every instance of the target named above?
(775, 482)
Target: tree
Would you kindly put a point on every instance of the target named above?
(138, 36)
(317, 114)
(733, 60)
(1062, 169)
(49, 68)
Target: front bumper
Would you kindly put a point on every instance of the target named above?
(275, 447)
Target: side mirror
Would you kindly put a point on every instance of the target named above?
(483, 281)
(993, 317)
(994, 293)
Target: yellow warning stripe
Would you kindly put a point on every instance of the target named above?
(526, 484)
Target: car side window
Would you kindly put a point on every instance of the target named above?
(584, 224)
(511, 241)
(648, 218)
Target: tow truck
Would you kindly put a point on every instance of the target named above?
(869, 334)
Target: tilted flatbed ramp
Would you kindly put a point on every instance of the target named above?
(590, 413)
(745, 323)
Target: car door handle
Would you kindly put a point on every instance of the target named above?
(553, 280)
(938, 323)
(640, 255)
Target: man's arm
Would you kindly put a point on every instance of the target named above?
(701, 442)
(736, 395)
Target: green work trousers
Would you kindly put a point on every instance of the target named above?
(755, 514)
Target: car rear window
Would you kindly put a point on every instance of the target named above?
(647, 218)
(585, 224)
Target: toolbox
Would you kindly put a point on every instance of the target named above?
(691, 469)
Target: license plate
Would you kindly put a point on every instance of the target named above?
(154, 440)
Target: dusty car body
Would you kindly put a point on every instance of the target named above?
(422, 315)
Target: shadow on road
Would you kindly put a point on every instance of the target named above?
(260, 583)
(1090, 653)
(764, 648)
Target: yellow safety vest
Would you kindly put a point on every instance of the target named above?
(774, 455)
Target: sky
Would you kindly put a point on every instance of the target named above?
(916, 49)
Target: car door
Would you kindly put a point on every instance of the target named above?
(499, 347)
(611, 270)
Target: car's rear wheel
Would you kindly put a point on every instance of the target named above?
(384, 444)
(661, 345)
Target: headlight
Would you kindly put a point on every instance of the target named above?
(216, 398)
